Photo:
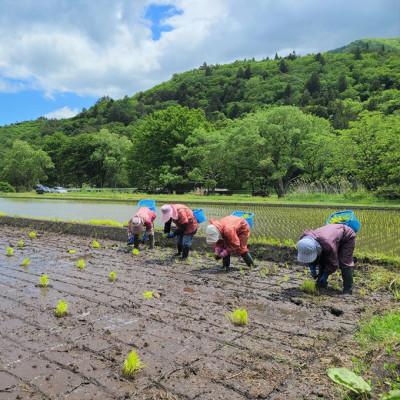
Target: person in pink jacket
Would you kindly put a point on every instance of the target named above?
(186, 226)
(229, 235)
(329, 248)
(141, 227)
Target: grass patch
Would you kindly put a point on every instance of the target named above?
(104, 222)
(382, 330)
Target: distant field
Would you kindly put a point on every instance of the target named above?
(352, 199)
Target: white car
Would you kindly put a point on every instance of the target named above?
(59, 189)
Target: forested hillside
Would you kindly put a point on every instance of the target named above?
(249, 125)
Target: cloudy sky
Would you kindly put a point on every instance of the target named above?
(57, 56)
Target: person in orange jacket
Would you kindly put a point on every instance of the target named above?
(229, 235)
(186, 226)
(141, 223)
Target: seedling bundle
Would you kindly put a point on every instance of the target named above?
(61, 309)
(238, 316)
(132, 364)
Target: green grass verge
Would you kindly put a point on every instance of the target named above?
(355, 199)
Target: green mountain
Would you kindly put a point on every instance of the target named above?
(339, 87)
(392, 44)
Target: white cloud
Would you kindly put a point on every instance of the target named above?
(105, 47)
(63, 112)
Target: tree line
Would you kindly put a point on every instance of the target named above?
(251, 125)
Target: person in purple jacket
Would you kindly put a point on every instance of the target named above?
(329, 248)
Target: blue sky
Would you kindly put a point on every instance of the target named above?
(57, 57)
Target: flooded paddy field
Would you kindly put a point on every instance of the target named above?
(189, 348)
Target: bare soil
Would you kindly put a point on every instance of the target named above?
(190, 349)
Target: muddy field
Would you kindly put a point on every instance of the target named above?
(190, 349)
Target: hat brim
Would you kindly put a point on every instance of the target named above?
(166, 217)
(307, 258)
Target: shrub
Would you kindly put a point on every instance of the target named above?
(238, 316)
(61, 309)
(5, 187)
(132, 364)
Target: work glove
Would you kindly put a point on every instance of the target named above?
(313, 270)
(170, 235)
(323, 280)
(130, 240)
(145, 237)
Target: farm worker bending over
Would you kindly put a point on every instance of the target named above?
(229, 235)
(329, 248)
(142, 222)
(186, 226)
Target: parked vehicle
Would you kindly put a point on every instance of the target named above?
(40, 189)
(59, 189)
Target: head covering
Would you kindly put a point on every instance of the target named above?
(137, 225)
(308, 250)
(212, 234)
(166, 213)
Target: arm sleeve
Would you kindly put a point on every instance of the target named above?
(167, 226)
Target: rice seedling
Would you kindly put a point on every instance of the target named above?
(148, 294)
(32, 235)
(95, 244)
(286, 278)
(238, 316)
(309, 286)
(132, 364)
(61, 309)
(9, 251)
(135, 252)
(362, 292)
(105, 222)
(81, 264)
(20, 243)
(43, 281)
(112, 276)
(25, 262)
(71, 251)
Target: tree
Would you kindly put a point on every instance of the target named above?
(320, 58)
(247, 72)
(155, 148)
(283, 67)
(357, 53)
(23, 166)
(342, 83)
(313, 84)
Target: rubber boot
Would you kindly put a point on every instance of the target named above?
(179, 253)
(226, 262)
(185, 253)
(151, 242)
(136, 241)
(248, 259)
(347, 276)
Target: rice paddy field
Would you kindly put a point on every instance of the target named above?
(73, 308)
(379, 234)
